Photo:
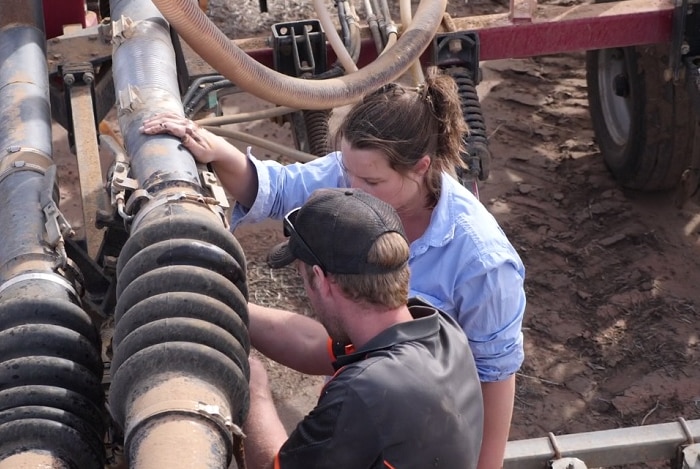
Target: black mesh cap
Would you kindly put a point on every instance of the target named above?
(335, 229)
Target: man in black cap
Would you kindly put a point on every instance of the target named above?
(404, 391)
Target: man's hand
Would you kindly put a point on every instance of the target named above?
(264, 431)
(259, 384)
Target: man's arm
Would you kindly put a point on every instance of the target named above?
(498, 412)
(291, 339)
(264, 431)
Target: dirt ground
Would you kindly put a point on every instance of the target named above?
(611, 327)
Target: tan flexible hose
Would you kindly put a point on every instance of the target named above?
(333, 38)
(405, 12)
(232, 62)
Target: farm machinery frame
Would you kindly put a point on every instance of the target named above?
(129, 344)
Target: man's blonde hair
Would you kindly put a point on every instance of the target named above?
(390, 289)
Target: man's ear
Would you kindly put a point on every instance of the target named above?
(321, 280)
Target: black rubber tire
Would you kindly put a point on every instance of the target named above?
(644, 124)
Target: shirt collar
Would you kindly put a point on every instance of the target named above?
(425, 323)
(442, 221)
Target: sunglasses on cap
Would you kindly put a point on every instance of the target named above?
(289, 229)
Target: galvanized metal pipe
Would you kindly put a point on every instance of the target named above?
(145, 81)
(51, 394)
(605, 448)
(25, 137)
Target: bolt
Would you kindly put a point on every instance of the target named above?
(455, 46)
(668, 75)
(685, 48)
(621, 85)
(88, 77)
(69, 79)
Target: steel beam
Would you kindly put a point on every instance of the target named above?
(605, 448)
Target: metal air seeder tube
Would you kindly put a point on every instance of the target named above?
(51, 398)
(180, 368)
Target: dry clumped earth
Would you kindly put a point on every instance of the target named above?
(612, 324)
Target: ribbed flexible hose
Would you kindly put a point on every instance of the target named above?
(232, 62)
(317, 131)
(478, 156)
(180, 367)
(51, 396)
(181, 316)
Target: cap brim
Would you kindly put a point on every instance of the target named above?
(280, 256)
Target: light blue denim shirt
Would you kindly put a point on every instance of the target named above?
(462, 264)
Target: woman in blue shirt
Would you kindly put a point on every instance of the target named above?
(402, 145)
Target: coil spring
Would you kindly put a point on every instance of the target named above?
(316, 123)
(478, 156)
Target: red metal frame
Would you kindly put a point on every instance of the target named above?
(529, 30)
(553, 30)
(58, 14)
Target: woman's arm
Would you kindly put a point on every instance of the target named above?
(498, 412)
(236, 173)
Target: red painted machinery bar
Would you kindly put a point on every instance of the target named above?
(551, 30)
(554, 30)
(60, 13)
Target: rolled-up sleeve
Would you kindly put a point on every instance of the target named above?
(282, 188)
(491, 305)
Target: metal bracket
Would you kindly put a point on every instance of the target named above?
(691, 456)
(678, 48)
(460, 48)
(56, 224)
(560, 462)
(688, 456)
(211, 182)
(77, 74)
(567, 463)
(120, 181)
(122, 29)
(299, 48)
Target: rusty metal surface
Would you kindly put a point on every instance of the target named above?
(84, 46)
(89, 167)
(20, 12)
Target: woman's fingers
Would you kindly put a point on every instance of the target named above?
(168, 123)
(192, 136)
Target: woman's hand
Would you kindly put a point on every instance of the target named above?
(204, 145)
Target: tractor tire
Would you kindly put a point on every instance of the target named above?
(643, 123)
